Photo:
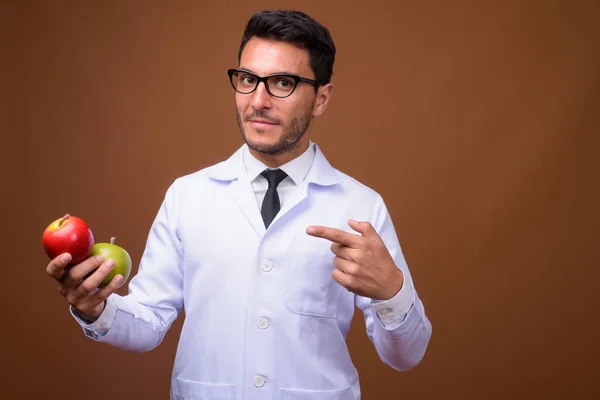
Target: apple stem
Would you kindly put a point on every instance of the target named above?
(112, 240)
(63, 219)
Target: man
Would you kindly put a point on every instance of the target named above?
(269, 251)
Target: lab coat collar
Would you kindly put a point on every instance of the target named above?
(320, 173)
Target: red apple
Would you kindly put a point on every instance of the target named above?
(68, 234)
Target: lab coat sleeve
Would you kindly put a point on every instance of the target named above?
(392, 312)
(140, 320)
(398, 328)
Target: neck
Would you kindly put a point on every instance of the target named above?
(279, 159)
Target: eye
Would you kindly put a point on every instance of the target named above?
(248, 80)
(284, 83)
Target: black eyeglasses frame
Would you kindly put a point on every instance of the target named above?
(297, 79)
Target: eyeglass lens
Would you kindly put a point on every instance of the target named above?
(280, 86)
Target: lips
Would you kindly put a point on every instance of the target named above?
(262, 121)
(262, 124)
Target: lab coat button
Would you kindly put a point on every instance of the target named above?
(262, 323)
(267, 265)
(259, 381)
(385, 312)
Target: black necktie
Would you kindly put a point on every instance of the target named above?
(270, 205)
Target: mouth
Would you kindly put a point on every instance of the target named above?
(261, 123)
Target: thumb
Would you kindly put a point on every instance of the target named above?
(362, 227)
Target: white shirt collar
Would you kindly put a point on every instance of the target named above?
(296, 169)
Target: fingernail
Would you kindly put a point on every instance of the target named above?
(99, 258)
(110, 263)
(65, 258)
(310, 231)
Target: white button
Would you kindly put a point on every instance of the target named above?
(385, 312)
(259, 381)
(103, 324)
(262, 323)
(267, 265)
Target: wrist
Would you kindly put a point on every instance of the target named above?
(395, 286)
(92, 317)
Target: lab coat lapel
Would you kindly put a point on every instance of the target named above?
(243, 196)
(233, 171)
(295, 199)
(320, 173)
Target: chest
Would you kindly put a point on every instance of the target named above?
(229, 259)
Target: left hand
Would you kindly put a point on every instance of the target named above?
(363, 264)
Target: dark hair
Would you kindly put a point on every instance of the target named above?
(299, 29)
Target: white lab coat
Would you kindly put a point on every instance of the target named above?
(264, 318)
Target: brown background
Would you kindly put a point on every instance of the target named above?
(477, 122)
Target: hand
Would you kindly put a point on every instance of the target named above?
(363, 264)
(79, 284)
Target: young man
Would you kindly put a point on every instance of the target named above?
(269, 251)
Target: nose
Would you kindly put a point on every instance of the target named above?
(260, 97)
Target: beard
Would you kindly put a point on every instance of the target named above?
(291, 133)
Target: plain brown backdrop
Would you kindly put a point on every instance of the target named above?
(477, 122)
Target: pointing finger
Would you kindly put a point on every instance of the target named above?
(335, 235)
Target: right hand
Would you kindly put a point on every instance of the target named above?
(81, 290)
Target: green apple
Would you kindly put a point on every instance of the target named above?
(119, 255)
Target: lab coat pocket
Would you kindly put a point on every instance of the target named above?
(184, 389)
(297, 394)
(310, 289)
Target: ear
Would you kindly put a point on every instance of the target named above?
(323, 96)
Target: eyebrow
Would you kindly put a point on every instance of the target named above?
(275, 73)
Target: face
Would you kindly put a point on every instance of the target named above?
(277, 128)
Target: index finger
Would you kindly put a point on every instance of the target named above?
(335, 235)
(56, 267)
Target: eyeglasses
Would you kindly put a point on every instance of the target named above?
(277, 85)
